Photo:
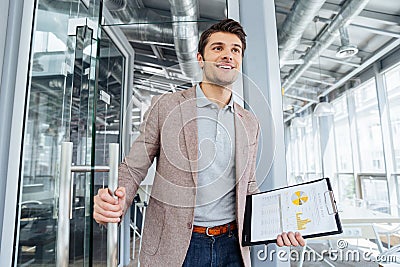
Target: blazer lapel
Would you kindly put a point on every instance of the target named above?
(189, 123)
(243, 137)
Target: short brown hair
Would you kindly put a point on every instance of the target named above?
(226, 25)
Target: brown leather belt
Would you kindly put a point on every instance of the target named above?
(216, 230)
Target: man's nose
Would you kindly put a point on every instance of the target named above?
(228, 56)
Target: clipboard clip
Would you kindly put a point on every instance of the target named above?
(330, 203)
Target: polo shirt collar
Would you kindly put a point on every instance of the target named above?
(202, 100)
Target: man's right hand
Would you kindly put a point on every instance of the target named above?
(107, 208)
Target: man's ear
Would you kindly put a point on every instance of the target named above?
(200, 59)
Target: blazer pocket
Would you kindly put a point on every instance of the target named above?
(154, 225)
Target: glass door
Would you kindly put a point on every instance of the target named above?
(109, 102)
(61, 107)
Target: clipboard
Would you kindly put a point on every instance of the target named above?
(309, 208)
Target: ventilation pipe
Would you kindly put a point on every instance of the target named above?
(303, 12)
(115, 5)
(349, 11)
(160, 31)
(185, 16)
(346, 49)
(147, 25)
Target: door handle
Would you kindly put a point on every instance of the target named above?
(112, 228)
(63, 205)
(65, 202)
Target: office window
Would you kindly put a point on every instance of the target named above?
(375, 193)
(309, 143)
(369, 128)
(293, 152)
(289, 155)
(396, 178)
(342, 136)
(392, 79)
(302, 157)
(347, 189)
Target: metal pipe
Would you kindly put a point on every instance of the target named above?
(303, 12)
(183, 32)
(64, 205)
(186, 36)
(138, 27)
(301, 98)
(344, 36)
(355, 65)
(79, 168)
(316, 80)
(364, 27)
(350, 10)
(115, 5)
(112, 228)
(363, 66)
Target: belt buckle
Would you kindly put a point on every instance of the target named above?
(208, 234)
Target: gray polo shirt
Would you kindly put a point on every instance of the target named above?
(215, 199)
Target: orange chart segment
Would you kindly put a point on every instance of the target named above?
(299, 198)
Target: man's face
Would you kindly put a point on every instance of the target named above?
(222, 59)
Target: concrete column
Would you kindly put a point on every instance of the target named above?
(262, 95)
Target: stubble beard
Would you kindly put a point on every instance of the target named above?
(212, 77)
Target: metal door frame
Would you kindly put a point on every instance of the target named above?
(19, 30)
(121, 42)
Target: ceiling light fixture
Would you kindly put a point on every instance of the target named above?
(323, 108)
(346, 49)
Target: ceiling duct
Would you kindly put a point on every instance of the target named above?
(115, 5)
(143, 24)
(346, 49)
(186, 36)
(147, 25)
(70, 6)
(303, 12)
(350, 10)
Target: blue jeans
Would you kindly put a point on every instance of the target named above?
(216, 251)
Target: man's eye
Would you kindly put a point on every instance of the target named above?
(217, 48)
(235, 50)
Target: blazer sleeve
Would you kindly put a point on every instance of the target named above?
(133, 168)
(252, 186)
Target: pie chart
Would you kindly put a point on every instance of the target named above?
(299, 198)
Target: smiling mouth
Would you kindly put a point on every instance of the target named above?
(225, 67)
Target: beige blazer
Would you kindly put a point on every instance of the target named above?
(169, 133)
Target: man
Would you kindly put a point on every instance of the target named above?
(206, 147)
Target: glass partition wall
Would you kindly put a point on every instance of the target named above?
(60, 107)
(76, 83)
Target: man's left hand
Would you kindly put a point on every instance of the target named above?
(290, 239)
